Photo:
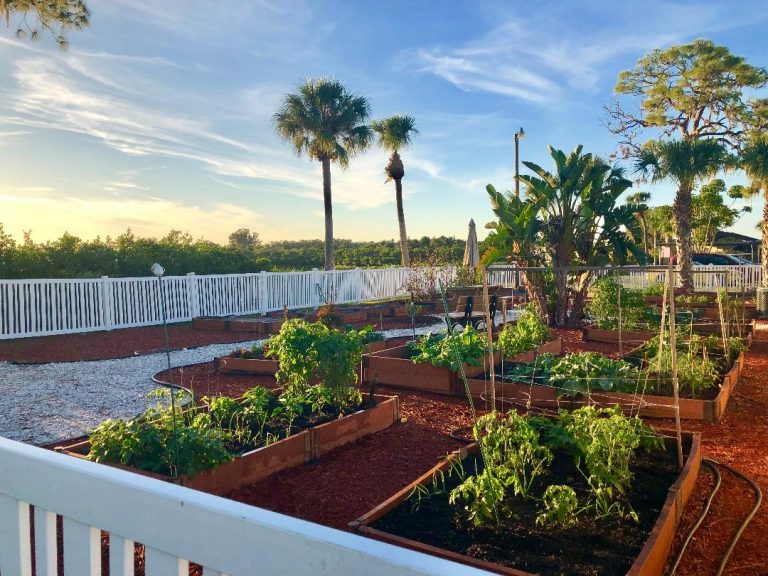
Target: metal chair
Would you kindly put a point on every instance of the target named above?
(461, 318)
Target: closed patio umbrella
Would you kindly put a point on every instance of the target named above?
(471, 251)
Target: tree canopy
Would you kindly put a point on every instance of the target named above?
(696, 90)
(53, 16)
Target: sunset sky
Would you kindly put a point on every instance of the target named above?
(158, 117)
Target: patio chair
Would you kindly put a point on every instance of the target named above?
(478, 318)
(461, 318)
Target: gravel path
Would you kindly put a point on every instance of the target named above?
(48, 402)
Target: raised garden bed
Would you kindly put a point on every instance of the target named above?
(296, 449)
(393, 367)
(649, 561)
(595, 334)
(230, 364)
(651, 406)
(256, 326)
(552, 347)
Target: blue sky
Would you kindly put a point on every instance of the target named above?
(159, 115)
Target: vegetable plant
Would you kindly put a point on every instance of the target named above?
(450, 350)
(518, 451)
(526, 334)
(586, 371)
(604, 306)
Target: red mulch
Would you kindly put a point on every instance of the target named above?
(129, 342)
(740, 440)
(372, 469)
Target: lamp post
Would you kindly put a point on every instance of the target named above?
(158, 271)
(519, 135)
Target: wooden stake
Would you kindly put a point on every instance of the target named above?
(618, 299)
(663, 317)
(489, 331)
(285, 312)
(675, 382)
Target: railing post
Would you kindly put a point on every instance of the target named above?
(316, 279)
(193, 303)
(107, 306)
(263, 293)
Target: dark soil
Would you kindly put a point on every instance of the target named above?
(518, 542)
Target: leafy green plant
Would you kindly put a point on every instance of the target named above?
(467, 276)
(604, 442)
(560, 506)
(604, 306)
(153, 442)
(450, 350)
(526, 334)
(311, 353)
(518, 450)
(586, 371)
(514, 459)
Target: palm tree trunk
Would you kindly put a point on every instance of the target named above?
(328, 213)
(764, 247)
(644, 228)
(682, 209)
(405, 259)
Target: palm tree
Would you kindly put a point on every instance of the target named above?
(685, 162)
(640, 198)
(328, 123)
(754, 161)
(393, 134)
(569, 217)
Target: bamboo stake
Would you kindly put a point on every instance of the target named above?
(489, 330)
(675, 382)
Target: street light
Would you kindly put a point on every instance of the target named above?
(158, 271)
(518, 136)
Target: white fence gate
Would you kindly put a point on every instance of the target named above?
(176, 525)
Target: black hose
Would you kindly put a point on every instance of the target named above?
(718, 479)
(455, 434)
(747, 520)
(712, 465)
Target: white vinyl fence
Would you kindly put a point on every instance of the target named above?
(176, 525)
(45, 307)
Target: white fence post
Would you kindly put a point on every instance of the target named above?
(193, 303)
(263, 293)
(317, 278)
(107, 305)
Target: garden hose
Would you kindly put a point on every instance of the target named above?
(718, 479)
(456, 434)
(712, 465)
(187, 391)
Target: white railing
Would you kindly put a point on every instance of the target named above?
(46, 307)
(705, 278)
(176, 526)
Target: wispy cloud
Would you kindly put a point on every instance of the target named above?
(539, 58)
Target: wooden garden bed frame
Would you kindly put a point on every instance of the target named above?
(294, 450)
(650, 562)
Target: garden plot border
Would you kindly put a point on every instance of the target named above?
(650, 406)
(258, 464)
(650, 561)
(393, 367)
(229, 364)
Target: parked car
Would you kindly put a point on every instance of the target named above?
(706, 259)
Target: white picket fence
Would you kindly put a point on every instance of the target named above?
(176, 525)
(46, 307)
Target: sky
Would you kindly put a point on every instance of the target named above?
(159, 116)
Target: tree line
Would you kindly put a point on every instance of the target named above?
(129, 255)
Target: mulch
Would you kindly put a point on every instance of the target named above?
(128, 342)
(349, 481)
